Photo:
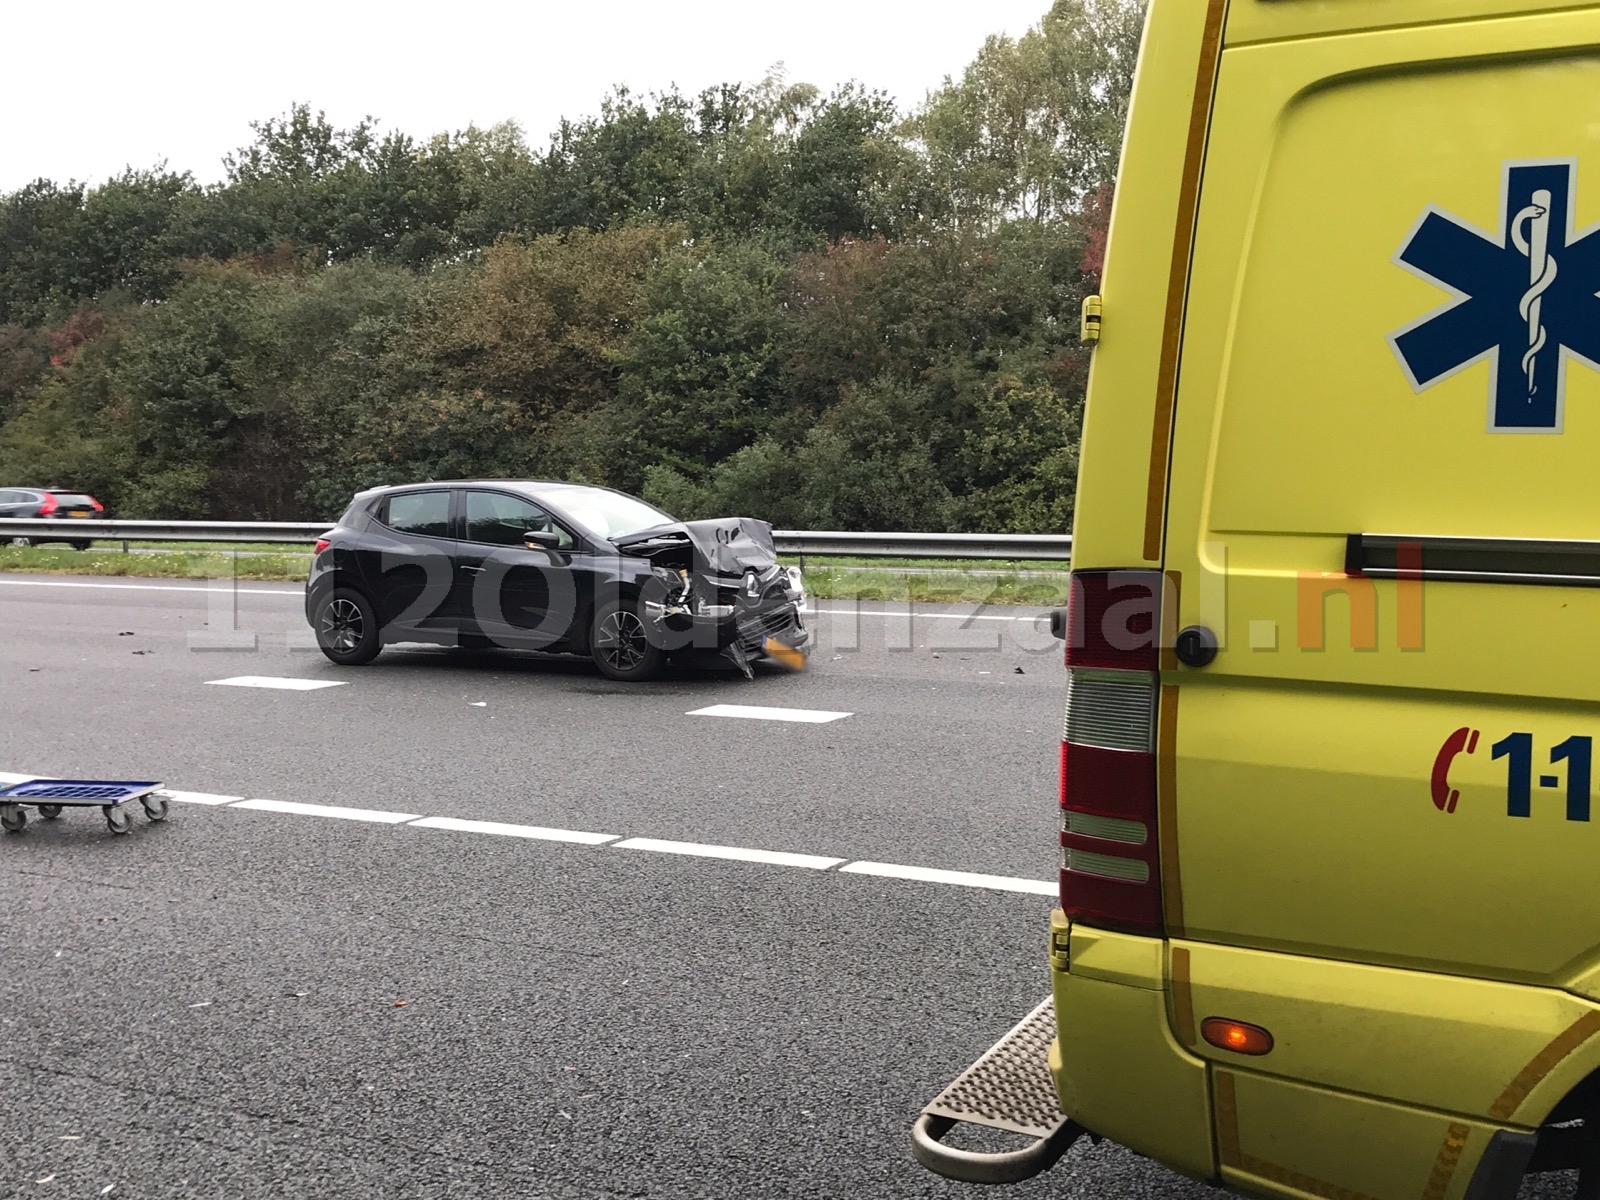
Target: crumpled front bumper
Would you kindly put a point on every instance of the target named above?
(779, 636)
(771, 626)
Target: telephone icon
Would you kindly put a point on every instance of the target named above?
(1462, 741)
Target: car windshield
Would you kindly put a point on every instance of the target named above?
(606, 514)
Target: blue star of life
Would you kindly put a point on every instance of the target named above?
(1524, 300)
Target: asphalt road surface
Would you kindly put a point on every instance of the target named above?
(630, 952)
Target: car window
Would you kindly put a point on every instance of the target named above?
(10, 497)
(606, 513)
(424, 513)
(497, 519)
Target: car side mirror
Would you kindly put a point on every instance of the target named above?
(541, 539)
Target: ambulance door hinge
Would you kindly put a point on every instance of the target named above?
(1089, 330)
(1061, 948)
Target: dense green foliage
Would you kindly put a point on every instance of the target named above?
(812, 309)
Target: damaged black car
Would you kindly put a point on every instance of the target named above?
(557, 567)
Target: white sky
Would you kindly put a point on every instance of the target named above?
(95, 86)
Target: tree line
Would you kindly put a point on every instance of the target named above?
(815, 309)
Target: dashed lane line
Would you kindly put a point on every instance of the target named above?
(753, 712)
(328, 810)
(202, 798)
(278, 683)
(499, 829)
(777, 858)
(1004, 883)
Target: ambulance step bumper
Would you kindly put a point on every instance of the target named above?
(1009, 1088)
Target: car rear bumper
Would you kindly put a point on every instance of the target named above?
(1129, 1065)
(1118, 1069)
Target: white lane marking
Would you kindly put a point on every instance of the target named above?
(751, 712)
(200, 798)
(537, 832)
(283, 685)
(151, 587)
(1004, 883)
(816, 862)
(776, 858)
(329, 810)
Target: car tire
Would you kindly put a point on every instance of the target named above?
(81, 545)
(620, 644)
(346, 626)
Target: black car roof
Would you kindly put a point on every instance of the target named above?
(486, 483)
(504, 483)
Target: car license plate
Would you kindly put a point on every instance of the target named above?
(79, 512)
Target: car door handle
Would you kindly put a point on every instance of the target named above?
(474, 570)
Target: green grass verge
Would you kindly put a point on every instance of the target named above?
(958, 565)
(181, 564)
(949, 586)
(942, 587)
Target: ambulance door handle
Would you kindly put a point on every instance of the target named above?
(1196, 646)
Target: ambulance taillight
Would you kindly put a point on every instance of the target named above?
(1110, 852)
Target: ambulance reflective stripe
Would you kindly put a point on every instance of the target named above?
(1524, 300)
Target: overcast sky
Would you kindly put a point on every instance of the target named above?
(92, 87)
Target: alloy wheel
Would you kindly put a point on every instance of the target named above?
(622, 640)
(342, 625)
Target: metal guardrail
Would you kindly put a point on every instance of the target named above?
(1047, 547)
(293, 533)
(1043, 546)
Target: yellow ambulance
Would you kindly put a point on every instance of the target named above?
(1330, 886)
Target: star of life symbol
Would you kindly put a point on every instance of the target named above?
(1524, 299)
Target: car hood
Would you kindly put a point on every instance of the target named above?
(726, 546)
